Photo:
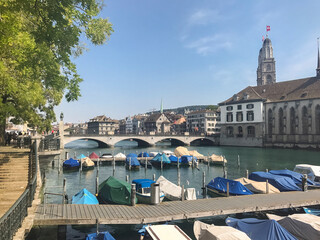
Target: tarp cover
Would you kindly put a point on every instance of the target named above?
(133, 161)
(81, 156)
(235, 187)
(174, 159)
(120, 155)
(170, 190)
(180, 151)
(257, 187)
(280, 182)
(101, 236)
(84, 197)
(132, 155)
(296, 177)
(187, 158)
(71, 163)
(87, 162)
(258, 229)
(302, 226)
(203, 231)
(113, 190)
(94, 156)
(143, 154)
(143, 183)
(165, 232)
(217, 158)
(313, 211)
(162, 157)
(190, 194)
(195, 153)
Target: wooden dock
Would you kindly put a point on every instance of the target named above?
(58, 214)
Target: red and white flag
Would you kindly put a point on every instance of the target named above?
(268, 28)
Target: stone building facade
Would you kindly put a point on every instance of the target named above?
(102, 125)
(203, 121)
(266, 71)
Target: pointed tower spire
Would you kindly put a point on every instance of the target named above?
(318, 66)
(161, 107)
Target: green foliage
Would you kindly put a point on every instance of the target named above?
(212, 107)
(37, 41)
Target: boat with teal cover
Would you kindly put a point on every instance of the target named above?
(81, 156)
(143, 190)
(84, 197)
(156, 161)
(100, 236)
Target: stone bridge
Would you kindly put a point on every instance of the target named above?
(142, 140)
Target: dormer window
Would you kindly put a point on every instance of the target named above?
(282, 97)
(303, 95)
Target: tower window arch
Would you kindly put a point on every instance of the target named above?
(268, 67)
(269, 79)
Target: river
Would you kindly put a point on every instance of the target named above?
(252, 159)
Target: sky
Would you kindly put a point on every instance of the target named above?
(188, 52)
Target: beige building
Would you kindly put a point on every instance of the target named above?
(102, 125)
(203, 121)
(157, 123)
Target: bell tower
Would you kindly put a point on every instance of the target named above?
(266, 71)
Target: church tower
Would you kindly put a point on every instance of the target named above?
(266, 72)
(318, 65)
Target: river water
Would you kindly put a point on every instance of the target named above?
(252, 159)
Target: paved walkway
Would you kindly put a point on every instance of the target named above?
(58, 214)
(14, 167)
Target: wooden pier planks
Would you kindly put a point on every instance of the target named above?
(14, 167)
(166, 211)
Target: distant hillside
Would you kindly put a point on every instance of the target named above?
(187, 109)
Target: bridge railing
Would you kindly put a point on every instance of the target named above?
(142, 135)
(13, 218)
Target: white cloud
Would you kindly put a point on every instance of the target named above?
(210, 44)
(204, 17)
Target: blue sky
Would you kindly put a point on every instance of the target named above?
(189, 53)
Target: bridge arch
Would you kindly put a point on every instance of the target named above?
(141, 143)
(202, 141)
(174, 141)
(101, 143)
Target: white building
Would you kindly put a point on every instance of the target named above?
(203, 121)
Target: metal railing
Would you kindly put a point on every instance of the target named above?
(11, 221)
(49, 144)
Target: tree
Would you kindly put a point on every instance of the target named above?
(212, 107)
(37, 41)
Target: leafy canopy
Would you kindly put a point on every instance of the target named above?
(37, 40)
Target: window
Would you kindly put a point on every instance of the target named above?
(251, 131)
(240, 132)
(304, 120)
(250, 116)
(229, 117)
(250, 106)
(229, 131)
(239, 116)
(281, 121)
(317, 119)
(229, 108)
(292, 121)
(270, 117)
(239, 107)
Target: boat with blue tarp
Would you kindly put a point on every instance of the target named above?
(143, 190)
(143, 154)
(187, 160)
(84, 197)
(313, 211)
(100, 236)
(282, 183)
(159, 159)
(258, 229)
(71, 164)
(132, 161)
(296, 177)
(218, 187)
(174, 160)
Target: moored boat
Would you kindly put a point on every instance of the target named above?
(71, 164)
(84, 197)
(312, 171)
(164, 232)
(132, 161)
(100, 236)
(188, 160)
(143, 190)
(174, 160)
(160, 160)
(218, 187)
(87, 164)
